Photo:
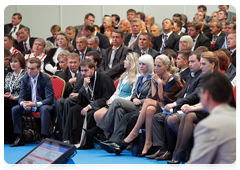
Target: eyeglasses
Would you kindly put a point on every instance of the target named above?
(61, 39)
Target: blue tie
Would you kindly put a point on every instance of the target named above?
(164, 43)
(34, 95)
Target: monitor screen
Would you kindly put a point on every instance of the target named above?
(45, 153)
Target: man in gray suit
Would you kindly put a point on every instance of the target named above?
(214, 143)
(225, 8)
(89, 19)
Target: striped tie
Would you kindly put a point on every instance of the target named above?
(34, 95)
(164, 43)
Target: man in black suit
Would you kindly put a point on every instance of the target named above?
(113, 57)
(71, 32)
(182, 64)
(54, 30)
(132, 39)
(82, 47)
(36, 94)
(96, 88)
(26, 41)
(115, 20)
(124, 25)
(232, 46)
(178, 27)
(188, 96)
(93, 42)
(103, 40)
(144, 44)
(13, 27)
(222, 41)
(215, 31)
(167, 40)
(184, 21)
(199, 39)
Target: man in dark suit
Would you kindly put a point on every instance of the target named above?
(26, 41)
(13, 27)
(199, 39)
(54, 30)
(96, 88)
(132, 39)
(215, 31)
(124, 25)
(90, 30)
(182, 64)
(89, 19)
(113, 57)
(71, 32)
(168, 39)
(184, 21)
(232, 46)
(222, 41)
(178, 27)
(188, 96)
(36, 94)
(93, 42)
(82, 47)
(144, 44)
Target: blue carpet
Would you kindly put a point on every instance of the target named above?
(90, 156)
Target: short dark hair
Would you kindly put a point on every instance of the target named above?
(90, 28)
(89, 14)
(185, 54)
(19, 15)
(197, 53)
(170, 52)
(119, 32)
(178, 15)
(225, 12)
(7, 52)
(117, 17)
(231, 22)
(10, 38)
(96, 56)
(88, 63)
(179, 23)
(98, 28)
(131, 10)
(203, 7)
(146, 33)
(35, 60)
(218, 85)
(142, 15)
(196, 24)
(20, 58)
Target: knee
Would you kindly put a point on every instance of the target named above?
(150, 111)
(190, 117)
(175, 120)
(16, 110)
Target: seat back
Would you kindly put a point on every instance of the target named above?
(58, 86)
(116, 83)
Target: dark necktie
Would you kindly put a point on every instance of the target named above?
(25, 46)
(14, 29)
(164, 43)
(142, 54)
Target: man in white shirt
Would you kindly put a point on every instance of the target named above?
(26, 42)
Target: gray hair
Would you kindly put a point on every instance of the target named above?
(96, 39)
(137, 20)
(148, 60)
(49, 45)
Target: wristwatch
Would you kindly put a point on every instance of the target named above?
(36, 104)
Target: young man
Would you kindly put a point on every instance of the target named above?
(182, 64)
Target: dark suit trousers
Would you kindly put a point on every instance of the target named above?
(170, 137)
(158, 129)
(62, 108)
(18, 111)
(125, 126)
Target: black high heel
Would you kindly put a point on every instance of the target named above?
(122, 142)
(178, 157)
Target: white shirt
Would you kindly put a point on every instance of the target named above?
(14, 33)
(194, 42)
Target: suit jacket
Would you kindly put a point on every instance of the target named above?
(172, 42)
(230, 14)
(44, 89)
(219, 43)
(79, 27)
(103, 41)
(215, 144)
(185, 74)
(231, 72)
(206, 29)
(203, 41)
(74, 43)
(186, 27)
(66, 75)
(20, 45)
(145, 91)
(151, 52)
(104, 88)
(117, 65)
(234, 58)
(8, 27)
(136, 47)
(191, 92)
(210, 36)
(88, 49)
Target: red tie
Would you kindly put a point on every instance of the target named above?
(25, 46)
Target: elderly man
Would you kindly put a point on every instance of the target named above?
(113, 57)
(89, 19)
(82, 47)
(124, 25)
(26, 41)
(149, 21)
(154, 30)
(90, 30)
(168, 39)
(144, 44)
(93, 42)
(214, 143)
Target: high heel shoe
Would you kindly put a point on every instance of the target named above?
(122, 142)
(178, 157)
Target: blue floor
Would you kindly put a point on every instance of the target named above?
(91, 156)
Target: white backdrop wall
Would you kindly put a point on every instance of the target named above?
(40, 18)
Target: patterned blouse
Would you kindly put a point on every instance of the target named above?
(12, 83)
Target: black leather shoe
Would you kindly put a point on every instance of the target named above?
(18, 142)
(111, 147)
(156, 154)
(141, 155)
